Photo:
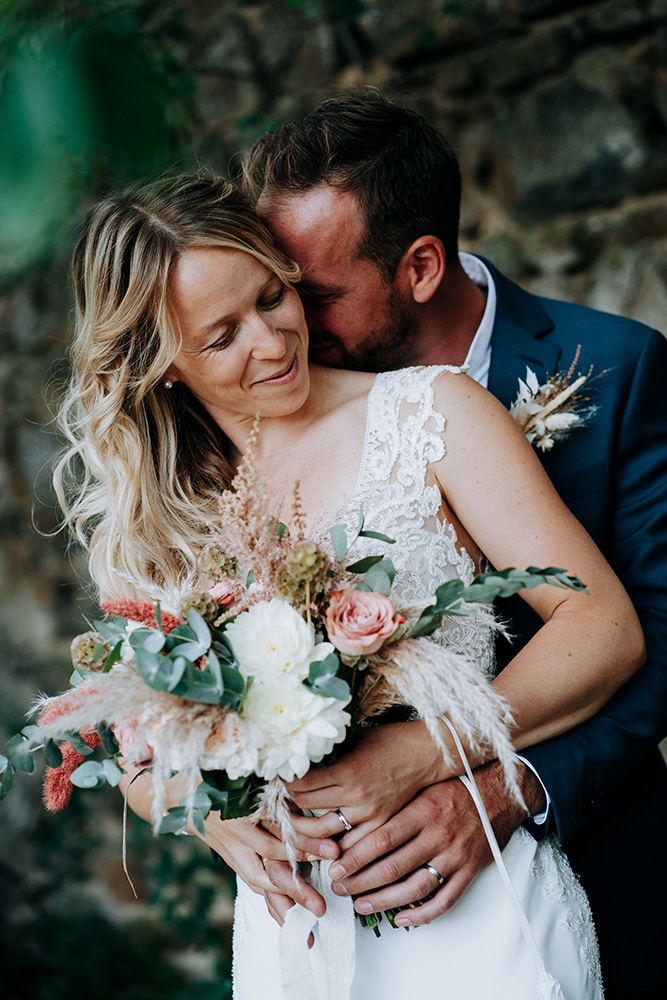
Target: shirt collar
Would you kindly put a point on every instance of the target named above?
(478, 359)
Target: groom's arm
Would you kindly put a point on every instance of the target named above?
(581, 767)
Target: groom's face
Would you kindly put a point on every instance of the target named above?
(356, 319)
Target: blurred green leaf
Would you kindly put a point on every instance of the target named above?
(19, 753)
(52, 753)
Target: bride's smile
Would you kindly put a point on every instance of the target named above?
(244, 337)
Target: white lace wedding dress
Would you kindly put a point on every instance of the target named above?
(477, 950)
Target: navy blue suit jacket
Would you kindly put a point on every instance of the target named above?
(606, 780)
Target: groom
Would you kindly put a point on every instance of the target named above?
(365, 196)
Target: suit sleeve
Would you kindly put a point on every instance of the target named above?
(582, 767)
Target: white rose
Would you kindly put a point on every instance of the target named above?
(302, 727)
(271, 638)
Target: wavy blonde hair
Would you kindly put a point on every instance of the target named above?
(144, 465)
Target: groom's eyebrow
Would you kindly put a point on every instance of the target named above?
(315, 288)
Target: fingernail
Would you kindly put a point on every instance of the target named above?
(363, 907)
(403, 921)
(336, 871)
(312, 857)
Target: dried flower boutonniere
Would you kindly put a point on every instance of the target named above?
(550, 412)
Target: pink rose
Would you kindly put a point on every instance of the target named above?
(133, 747)
(359, 622)
(224, 592)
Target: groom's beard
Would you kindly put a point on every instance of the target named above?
(391, 344)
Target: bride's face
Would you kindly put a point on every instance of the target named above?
(245, 341)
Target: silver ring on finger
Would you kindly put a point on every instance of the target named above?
(435, 873)
(347, 826)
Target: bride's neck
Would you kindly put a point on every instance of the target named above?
(327, 389)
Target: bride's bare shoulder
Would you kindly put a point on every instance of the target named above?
(339, 386)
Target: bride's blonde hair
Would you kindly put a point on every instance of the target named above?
(144, 464)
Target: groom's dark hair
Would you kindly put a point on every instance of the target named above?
(403, 172)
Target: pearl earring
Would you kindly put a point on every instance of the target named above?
(168, 384)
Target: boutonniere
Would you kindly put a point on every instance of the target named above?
(550, 412)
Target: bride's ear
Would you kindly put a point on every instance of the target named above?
(422, 268)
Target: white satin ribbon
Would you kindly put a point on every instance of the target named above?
(549, 988)
(325, 971)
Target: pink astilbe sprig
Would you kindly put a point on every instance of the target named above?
(247, 529)
(137, 610)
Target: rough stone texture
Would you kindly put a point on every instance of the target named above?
(559, 112)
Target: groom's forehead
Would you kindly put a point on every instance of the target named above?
(323, 221)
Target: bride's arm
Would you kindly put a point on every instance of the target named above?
(590, 644)
(241, 843)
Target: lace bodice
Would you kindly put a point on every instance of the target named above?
(396, 487)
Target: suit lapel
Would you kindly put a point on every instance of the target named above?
(518, 339)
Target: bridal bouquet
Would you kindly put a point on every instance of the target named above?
(241, 687)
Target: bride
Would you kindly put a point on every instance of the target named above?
(188, 325)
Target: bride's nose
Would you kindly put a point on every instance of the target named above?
(268, 342)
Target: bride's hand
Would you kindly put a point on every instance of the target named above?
(369, 784)
(242, 844)
(260, 859)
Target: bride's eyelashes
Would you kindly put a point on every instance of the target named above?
(275, 299)
(268, 303)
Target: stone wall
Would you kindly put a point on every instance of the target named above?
(559, 113)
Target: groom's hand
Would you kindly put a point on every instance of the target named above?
(439, 827)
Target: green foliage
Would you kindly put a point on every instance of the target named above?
(453, 598)
(87, 99)
(323, 678)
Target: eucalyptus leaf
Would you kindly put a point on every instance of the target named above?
(90, 774)
(138, 636)
(363, 565)
(111, 631)
(7, 779)
(216, 798)
(451, 597)
(32, 732)
(198, 818)
(79, 744)
(250, 579)
(182, 632)
(158, 616)
(155, 668)
(174, 821)
(4, 762)
(109, 741)
(20, 754)
(378, 581)
(339, 539)
(199, 627)
(112, 772)
(154, 643)
(178, 667)
(378, 536)
(113, 657)
(190, 650)
(323, 679)
(52, 753)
